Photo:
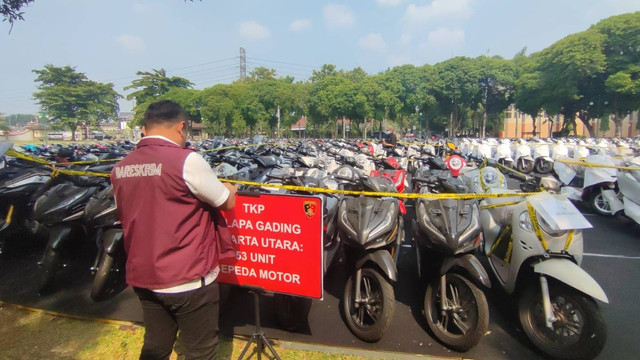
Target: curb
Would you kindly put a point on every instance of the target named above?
(371, 354)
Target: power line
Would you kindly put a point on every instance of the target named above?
(282, 62)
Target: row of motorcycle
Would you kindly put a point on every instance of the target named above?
(533, 254)
(599, 173)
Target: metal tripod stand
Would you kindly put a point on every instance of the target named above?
(258, 335)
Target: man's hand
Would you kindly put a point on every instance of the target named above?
(231, 200)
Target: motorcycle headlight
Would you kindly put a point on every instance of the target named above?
(525, 222)
(546, 227)
(491, 178)
(345, 173)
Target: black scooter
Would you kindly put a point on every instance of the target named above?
(371, 231)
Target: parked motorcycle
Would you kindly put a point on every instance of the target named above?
(371, 231)
(524, 161)
(593, 185)
(448, 231)
(100, 214)
(534, 247)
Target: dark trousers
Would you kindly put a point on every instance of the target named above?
(194, 313)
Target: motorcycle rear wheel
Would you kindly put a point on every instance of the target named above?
(599, 203)
(543, 167)
(463, 327)
(579, 333)
(371, 318)
(525, 166)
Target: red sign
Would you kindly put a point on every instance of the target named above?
(278, 244)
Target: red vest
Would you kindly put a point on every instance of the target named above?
(169, 234)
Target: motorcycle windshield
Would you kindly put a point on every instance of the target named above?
(629, 185)
(4, 146)
(449, 224)
(558, 212)
(598, 175)
(368, 221)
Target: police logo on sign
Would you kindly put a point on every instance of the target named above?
(309, 208)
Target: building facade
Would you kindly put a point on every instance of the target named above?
(520, 125)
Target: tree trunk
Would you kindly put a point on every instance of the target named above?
(587, 124)
(617, 121)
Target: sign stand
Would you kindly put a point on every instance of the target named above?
(258, 335)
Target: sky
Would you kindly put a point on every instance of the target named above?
(110, 41)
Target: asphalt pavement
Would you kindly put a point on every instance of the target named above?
(612, 257)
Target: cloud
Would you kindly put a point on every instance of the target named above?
(338, 16)
(300, 25)
(439, 9)
(446, 37)
(389, 2)
(252, 30)
(131, 42)
(373, 42)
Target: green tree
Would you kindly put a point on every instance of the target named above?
(621, 77)
(4, 124)
(262, 73)
(153, 84)
(71, 99)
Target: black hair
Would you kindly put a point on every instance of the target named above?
(164, 112)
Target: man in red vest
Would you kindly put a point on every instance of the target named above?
(166, 195)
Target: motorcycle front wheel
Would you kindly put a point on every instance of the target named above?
(50, 263)
(579, 332)
(463, 325)
(109, 280)
(369, 318)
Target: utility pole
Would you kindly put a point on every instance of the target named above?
(243, 64)
(278, 115)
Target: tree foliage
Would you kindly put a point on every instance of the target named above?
(10, 10)
(152, 84)
(71, 99)
(587, 75)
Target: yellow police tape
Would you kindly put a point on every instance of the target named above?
(465, 196)
(593, 165)
(55, 171)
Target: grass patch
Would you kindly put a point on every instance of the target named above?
(33, 335)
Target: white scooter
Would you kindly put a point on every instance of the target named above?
(591, 184)
(543, 163)
(524, 161)
(629, 186)
(534, 246)
(503, 154)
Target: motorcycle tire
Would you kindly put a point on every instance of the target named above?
(567, 303)
(109, 279)
(524, 167)
(292, 312)
(466, 326)
(50, 263)
(543, 167)
(598, 203)
(369, 321)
